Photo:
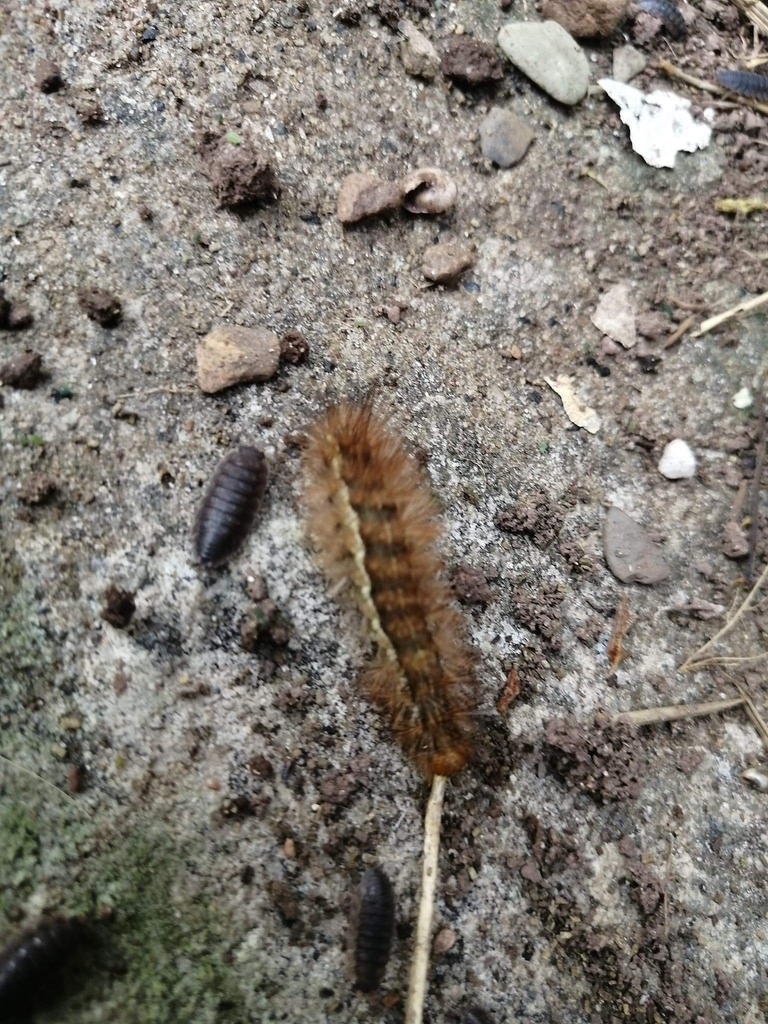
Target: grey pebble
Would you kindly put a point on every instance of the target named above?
(504, 137)
(630, 553)
(627, 63)
(549, 56)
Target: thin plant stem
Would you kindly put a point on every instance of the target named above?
(417, 986)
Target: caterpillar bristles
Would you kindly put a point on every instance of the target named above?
(371, 519)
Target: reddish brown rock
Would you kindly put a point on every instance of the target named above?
(365, 195)
(239, 171)
(236, 355)
(586, 18)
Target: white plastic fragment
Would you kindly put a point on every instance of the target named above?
(660, 123)
(677, 461)
(577, 413)
(743, 399)
(615, 315)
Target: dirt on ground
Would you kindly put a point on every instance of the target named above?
(187, 757)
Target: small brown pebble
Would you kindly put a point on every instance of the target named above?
(653, 325)
(261, 766)
(417, 53)
(100, 305)
(48, 76)
(256, 588)
(22, 371)
(37, 489)
(471, 61)
(294, 347)
(428, 190)
(530, 872)
(513, 352)
(239, 171)
(471, 586)
(120, 682)
(365, 195)
(289, 848)
(91, 114)
(586, 18)
(735, 543)
(393, 313)
(321, 101)
(119, 607)
(443, 941)
(144, 212)
(19, 317)
(236, 355)
(214, 785)
(445, 263)
(75, 778)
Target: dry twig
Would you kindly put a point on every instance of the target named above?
(417, 985)
(587, 172)
(744, 207)
(694, 661)
(754, 714)
(754, 498)
(699, 83)
(167, 389)
(747, 306)
(686, 325)
(693, 307)
(675, 712)
(757, 13)
(38, 778)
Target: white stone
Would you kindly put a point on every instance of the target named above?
(743, 399)
(677, 461)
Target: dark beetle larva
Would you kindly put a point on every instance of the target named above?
(667, 12)
(230, 505)
(476, 1015)
(27, 964)
(372, 928)
(747, 83)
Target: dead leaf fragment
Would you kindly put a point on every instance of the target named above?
(581, 415)
(616, 652)
(510, 692)
(616, 314)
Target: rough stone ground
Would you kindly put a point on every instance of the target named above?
(228, 800)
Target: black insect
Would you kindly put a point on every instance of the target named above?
(476, 1015)
(28, 965)
(372, 928)
(230, 505)
(667, 12)
(747, 83)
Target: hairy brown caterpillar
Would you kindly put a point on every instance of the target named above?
(372, 520)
